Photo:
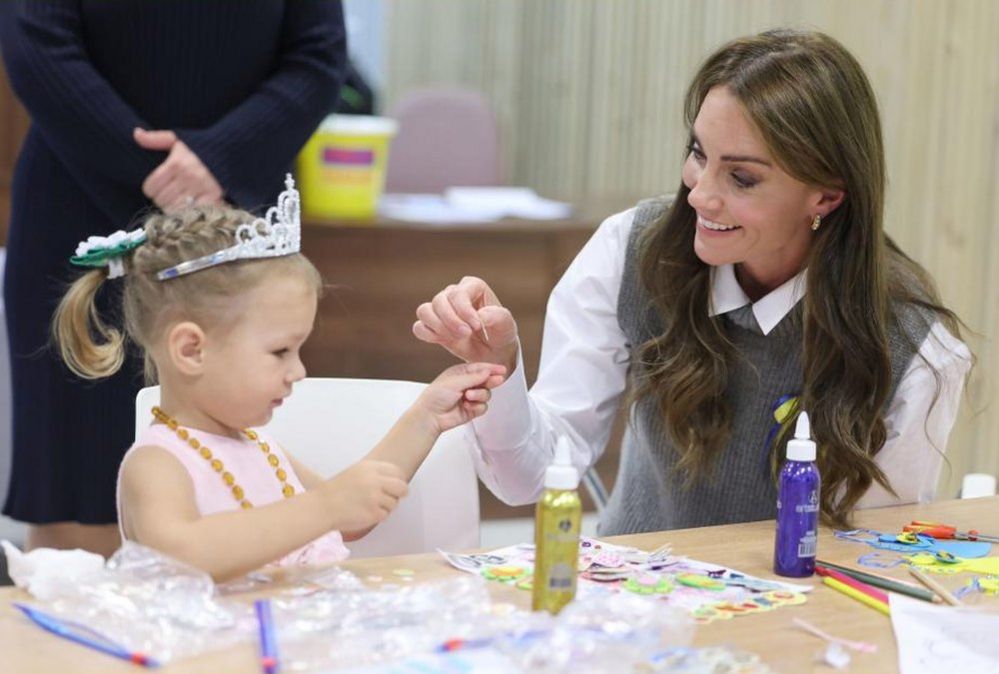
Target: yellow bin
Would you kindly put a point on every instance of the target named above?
(341, 170)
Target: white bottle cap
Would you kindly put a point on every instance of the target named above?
(561, 474)
(802, 448)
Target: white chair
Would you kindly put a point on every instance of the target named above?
(329, 424)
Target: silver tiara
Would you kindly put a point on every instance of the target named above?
(278, 233)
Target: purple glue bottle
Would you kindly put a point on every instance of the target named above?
(797, 506)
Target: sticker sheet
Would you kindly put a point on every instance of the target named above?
(707, 591)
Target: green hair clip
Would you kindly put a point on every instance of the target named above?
(107, 251)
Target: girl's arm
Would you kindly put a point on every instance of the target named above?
(456, 397)
(159, 511)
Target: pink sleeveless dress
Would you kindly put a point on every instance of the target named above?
(249, 465)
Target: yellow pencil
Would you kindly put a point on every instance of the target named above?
(856, 594)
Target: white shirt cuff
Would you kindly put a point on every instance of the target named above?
(506, 425)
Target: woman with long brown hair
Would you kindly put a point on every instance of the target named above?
(766, 284)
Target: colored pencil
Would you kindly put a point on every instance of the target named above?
(268, 640)
(884, 582)
(935, 586)
(858, 585)
(856, 594)
(85, 636)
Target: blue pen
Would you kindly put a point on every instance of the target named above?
(83, 635)
(268, 639)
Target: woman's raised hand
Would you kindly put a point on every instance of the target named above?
(468, 320)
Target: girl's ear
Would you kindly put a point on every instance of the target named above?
(185, 347)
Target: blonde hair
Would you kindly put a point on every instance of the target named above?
(93, 349)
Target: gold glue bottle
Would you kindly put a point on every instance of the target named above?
(556, 534)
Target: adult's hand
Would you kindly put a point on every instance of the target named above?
(182, 179)
(468, 320)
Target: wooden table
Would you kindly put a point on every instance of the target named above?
(26, 649)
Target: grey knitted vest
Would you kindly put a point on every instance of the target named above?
(648, 494)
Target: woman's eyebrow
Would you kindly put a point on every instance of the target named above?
(733, 157)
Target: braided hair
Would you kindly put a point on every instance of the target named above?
(93, 349)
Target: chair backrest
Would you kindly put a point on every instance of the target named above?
(329, 424)
(447, 138)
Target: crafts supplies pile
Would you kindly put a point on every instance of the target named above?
(935, 548)
(707, 592)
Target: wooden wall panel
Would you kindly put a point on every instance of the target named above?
(589, 96)
(13, 125)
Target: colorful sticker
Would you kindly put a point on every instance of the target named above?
(648, 583)
(700, 582)
(505, 574)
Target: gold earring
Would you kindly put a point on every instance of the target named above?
(816, 223)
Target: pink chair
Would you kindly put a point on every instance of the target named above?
(446, 138)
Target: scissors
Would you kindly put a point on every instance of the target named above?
(946, 531)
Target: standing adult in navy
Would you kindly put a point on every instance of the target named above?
(135, 104)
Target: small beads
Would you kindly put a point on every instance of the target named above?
(238, 492)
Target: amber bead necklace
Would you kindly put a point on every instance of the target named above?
(216, 463)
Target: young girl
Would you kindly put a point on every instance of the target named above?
(221, 304)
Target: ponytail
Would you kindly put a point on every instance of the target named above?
(75, 325)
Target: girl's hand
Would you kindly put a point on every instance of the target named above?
(459, 394)
(364, 494)
(468, 320)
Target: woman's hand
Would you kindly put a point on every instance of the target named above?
(468, 320)
(458, 395)
(182, 179)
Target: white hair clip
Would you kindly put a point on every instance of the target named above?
(276, 234)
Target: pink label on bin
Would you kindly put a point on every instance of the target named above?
(340, 156)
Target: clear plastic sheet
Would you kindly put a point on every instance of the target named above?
(152, 604)
(332, 631)
(336, 629)
(612, 633)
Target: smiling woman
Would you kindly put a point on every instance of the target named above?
(764, 288)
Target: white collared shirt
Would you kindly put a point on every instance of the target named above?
(584, 361)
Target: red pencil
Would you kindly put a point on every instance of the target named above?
(857, 585)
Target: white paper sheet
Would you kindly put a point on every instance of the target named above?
(468, 205)
(934, 639)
